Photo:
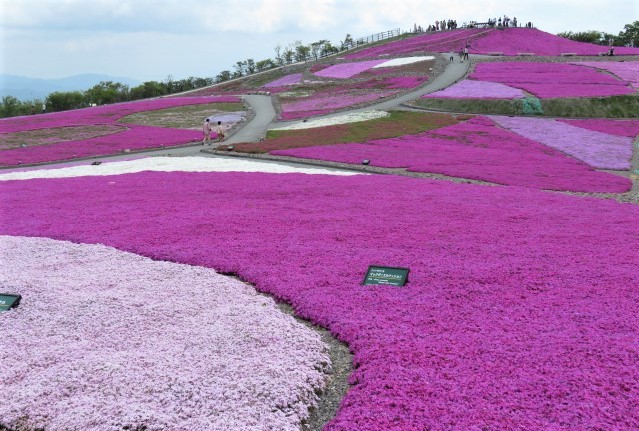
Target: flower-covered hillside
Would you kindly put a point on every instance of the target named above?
(507, 41)
(520, 311)
(553, 80)
(478, 149)
(347, 85)
(112, 129)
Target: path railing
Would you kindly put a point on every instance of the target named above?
(374, 38)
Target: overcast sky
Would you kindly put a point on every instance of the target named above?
(152, 39)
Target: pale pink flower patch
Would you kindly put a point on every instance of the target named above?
(347, 70)
(108, 340)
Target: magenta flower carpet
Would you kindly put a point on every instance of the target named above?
(552, 80)
(478, 149)
(470, 89)
(512, 41)
(508, 41)
(521, 311)
(107, 340)
(597, 149)
(326, 102)
(133, 137)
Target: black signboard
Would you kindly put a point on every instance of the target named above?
(9, 300)
(386, 275)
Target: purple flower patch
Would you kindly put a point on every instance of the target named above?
(521, 311)
(469, 89)
(599, 150)
(479, 150)
(291, 79)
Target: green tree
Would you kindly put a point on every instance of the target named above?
(347, 42)
(65, 100)
(263, 65)
(250, 66)
(10, 107)
(107, 92)
(590, 36)
(630, 35)
(224, 75)
(279, 58)
(328, 49)
(288, 55)
(240, 69)
(147, 89)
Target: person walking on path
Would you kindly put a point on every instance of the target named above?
(466, 53)
(206, 129)
(219, 130)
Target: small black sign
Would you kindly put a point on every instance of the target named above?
(386, 275)
(9, 300)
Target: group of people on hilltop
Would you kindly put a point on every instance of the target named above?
(451, 24)
(445, 24)
(505, 22)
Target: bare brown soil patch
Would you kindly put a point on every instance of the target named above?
(182, 117)
(9, 141)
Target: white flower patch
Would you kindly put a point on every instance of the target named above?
(295, 94)
(403, 61)
(169, 164)
(352, 117)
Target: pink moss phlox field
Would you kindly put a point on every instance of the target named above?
(291, 79)
(629, 128)
(551, 80)
(136, 137)
(512, 41)
(430, 42)
(597, 149)
(346, 70)
(327, 102)
(627, 70)
(104, 339)
(404, 82)
(521, 311)
(509, 41)
(476, 149)
(469, 89)
(104, 114)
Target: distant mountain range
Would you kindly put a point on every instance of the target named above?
(24, 88)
